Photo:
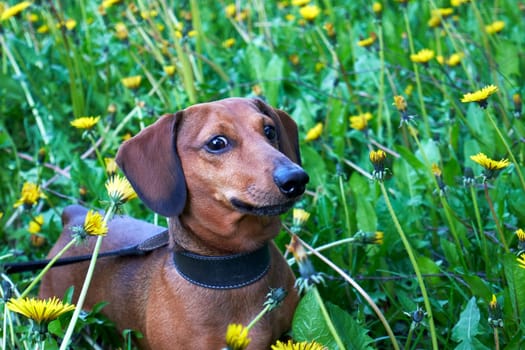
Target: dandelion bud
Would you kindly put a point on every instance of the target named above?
(495, 313)
(516, 98)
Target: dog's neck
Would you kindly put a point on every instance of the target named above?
(245, 235)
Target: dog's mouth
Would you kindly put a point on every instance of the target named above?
(267, 210)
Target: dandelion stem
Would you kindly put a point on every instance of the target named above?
(495, 216)
(358, 288)
(480, 226)
(328, 320)
(258, 317)
(412, 258)
(496, 338)
(47, 267)
(85, 286)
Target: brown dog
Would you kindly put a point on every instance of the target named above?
(221, 172)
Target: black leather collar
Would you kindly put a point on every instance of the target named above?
(223, 272)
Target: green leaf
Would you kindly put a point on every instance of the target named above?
(351, 332)
(309, 323)
(516, 281)
(465, 331)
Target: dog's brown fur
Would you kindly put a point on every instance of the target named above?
(174, 174)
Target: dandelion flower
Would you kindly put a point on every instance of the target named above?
(119, 189)
(30, 194)
(169, 70)
(516, 99)
(309, 12)
(228, 43)
(298, 346)
(314, 133)
(39, 310)
(109, 3)
(494, 27)
(400, 103)
(367, 42)
(94, 224)
(35, 225)
(230, 10)
(480, 96)
(454, 59)
(492, 167)
(237, 337)
(377, 8)
(488, 163)
(300, 216)
(423, 56)
(378, 159)
(300, 2)
(14, 10)
(121, 31)
(132, 82)
(111, 166)
(520, 234)
(85, 123)
(521, 261)
(360, 122)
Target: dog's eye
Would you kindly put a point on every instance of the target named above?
(217, 144)
(270, 132)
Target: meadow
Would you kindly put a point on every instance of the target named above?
(411, 232)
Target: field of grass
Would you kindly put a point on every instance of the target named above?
(411, 129)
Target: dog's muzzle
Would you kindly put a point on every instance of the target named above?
(291, 180)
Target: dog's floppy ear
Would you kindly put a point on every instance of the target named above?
(286, 130)
(150, 162)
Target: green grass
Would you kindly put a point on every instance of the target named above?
(449, 241)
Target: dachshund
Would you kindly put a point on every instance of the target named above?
(221, 172)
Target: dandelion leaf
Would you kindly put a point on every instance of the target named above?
(516, 280)
(310, 324)
(465, 331)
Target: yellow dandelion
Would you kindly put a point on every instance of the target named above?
(377, 157)
(108, 3)
(314, 133)
(121, 31)
(377, 7)
(488, 163)
(300, 2)
(132, 82)
(434, 21)
(94, 224)
(454, 59)
(39, 310)
(493, 302)
(400, 103)
(119, 189)
(228, 43)
(237, 337)
(443, 12)
(435, 170)
(298, 346)
(367, 41)
(480, 96)
(14, 10)
(43, 29)
(85, 123)
(329, 28)
(360, 122)
(494, 27)
(300, 216)
(169, 70)
(520, 234)
(309, 12)
(423, 56)
(230, 10)
(111, 166)
(521, 261)
(30, 194)
(35, 225)
(289, 17)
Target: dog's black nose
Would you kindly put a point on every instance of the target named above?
(290, 180)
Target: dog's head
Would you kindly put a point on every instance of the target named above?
(230, 157)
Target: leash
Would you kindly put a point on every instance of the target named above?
(146, 246)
